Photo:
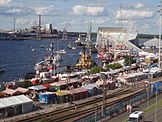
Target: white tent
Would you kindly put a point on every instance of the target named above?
(143, 53)
(152, 42)
(151, 55)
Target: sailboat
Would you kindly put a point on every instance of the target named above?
(79, 42)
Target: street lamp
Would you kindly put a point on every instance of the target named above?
(160, 10)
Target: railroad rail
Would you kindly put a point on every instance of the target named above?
(52, 112)
(71, 112)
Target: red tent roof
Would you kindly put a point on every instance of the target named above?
(46, 85)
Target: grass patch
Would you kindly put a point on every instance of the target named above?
(152, 107)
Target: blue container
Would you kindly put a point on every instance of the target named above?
(47, 98)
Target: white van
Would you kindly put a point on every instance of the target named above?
(137, 116)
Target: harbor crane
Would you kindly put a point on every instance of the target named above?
(65, 34)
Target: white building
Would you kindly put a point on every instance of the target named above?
(49, 28)
(112, 35)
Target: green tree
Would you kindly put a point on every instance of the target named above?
(113, 66)
(26, 84)
(129, 60)
(95, 69)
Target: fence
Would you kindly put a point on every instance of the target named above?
(115, 109)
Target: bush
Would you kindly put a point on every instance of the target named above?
(113, 66)
(129, 60)
(95, 69)
(26, 84)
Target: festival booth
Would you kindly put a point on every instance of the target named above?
(63, 96)
(110, 84)
(130, 79)
(47, 98)
(15, 105)
(11, 92)
(63, 85)
(91, 78)
(37, 88)
(78, 94)
(155, 72)
(92, 89)
(23, 90)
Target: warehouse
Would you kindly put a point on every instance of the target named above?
(15, 105)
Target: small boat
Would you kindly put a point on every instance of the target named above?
(79, 42)
(33, 50)
(61, 51)
(69, 46)
(42, 46)
(73, 48)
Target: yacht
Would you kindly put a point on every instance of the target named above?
(63, 51)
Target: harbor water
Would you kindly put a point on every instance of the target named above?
(19, 58)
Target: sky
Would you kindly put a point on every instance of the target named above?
(78, 13)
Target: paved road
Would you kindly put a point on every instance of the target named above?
(149, 117)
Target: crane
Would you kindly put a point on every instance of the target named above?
(127, 34)
(64, 34)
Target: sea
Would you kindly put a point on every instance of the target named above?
(18, 57)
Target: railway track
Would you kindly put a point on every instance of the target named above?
(70, 112)
(69, 115)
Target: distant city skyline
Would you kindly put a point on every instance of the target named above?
(102, 13)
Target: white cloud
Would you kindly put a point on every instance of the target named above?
(123, 22)
(98, 20)
(47, 10)
(4, 2)
(126, 14)
(85, 10)
(136, 5)
(15, 11)
(24, 21)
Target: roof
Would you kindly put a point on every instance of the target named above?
(64, 82)
(112, 29)
(100, 82)
(77, 90)
(62, 93)
(136, 114)
(38, 87)
(22, 90)
(89, 86)
(13, 101)
(11, 92)
(155, 69)
(46, 85)
(47, 93)
(90, 76)
(152, 42)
